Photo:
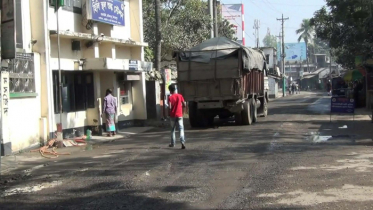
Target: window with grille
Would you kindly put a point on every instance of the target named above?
(77, 91)
(22, 74)
(70, 5)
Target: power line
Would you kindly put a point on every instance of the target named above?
(271, 6)
(261, 8)
(297, 5)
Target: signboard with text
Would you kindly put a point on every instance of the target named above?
(106, 11)
(342, 105)
(233, 14)
(4, 127)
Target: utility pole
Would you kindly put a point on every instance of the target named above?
(283, 53)
(57, 4)
(330, 65)
(215, 2)
(158, 35)
(300, 70)
(211, 12)
(256, 31)
(281, 67)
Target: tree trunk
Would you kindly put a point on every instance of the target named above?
(158, 43)
(158, 35)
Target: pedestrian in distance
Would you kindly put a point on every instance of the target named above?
(176, 104)
(292, 88)
(110, 109)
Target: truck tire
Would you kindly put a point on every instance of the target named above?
(254, 110)
(263, 110)
(247, 113)
(238, 118)
(194, 115)
(210, 121)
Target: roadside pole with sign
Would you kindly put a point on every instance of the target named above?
(342, 105)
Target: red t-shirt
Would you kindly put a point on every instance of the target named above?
(176, 102)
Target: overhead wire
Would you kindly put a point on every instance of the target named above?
(271, 6)
(261, 8)
(298, 5)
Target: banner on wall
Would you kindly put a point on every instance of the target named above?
(106, 11)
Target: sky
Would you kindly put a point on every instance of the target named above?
(268, 10)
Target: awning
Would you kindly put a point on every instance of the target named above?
(309, 76)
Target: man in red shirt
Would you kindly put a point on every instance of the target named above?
(176, 103)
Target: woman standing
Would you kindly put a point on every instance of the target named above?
(110, 109)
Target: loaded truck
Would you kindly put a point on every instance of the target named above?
(220, 77)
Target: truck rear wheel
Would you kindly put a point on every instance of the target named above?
(263, 110)
(238, 118)
(194, 115)
(247, 113)
(254, 110)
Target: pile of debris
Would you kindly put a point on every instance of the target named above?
(49, 150)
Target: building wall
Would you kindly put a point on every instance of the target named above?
(273, 87)
(24, 121)
(270, 52)
(105, 78)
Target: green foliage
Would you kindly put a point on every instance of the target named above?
(149, 54)
(305, 31)
(185, 23)
(348, 27)
(270, 41)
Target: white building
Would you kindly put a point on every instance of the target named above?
(271, 57)
(274, 72)
(101, 47)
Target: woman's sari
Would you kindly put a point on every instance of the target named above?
(110, 122)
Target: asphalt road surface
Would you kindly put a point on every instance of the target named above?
(295, 158)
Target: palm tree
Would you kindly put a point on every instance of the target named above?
(305, 32)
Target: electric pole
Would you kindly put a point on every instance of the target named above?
(215, 3)
(256, 31)
(211, 12)
(283, 53)
(158, 35)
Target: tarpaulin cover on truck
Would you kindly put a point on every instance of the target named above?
(221, 48)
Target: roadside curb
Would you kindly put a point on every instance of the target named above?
(13, 162)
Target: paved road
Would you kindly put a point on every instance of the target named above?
(293, 159)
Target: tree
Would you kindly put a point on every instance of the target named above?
(184, 24)
(270, 41)
(348, 28)
(305, 32)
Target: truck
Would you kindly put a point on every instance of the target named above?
(221, 77)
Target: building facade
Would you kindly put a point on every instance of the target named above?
(101, 47)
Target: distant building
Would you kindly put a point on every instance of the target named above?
(274, 75)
